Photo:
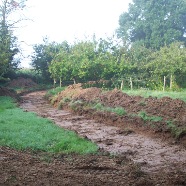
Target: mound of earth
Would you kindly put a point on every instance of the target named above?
(161, 115)
(22, 82)
(77, 92)
(8, 92)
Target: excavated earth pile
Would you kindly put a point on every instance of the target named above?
(164, 115)
(22, 82)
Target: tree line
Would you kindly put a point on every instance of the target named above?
(92, 60)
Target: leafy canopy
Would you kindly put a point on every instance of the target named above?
(154, 23)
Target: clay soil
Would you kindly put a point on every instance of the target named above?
(128, 155)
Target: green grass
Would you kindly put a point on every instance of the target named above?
(6, 103)
(159, 94)
(175, 130)
(24, 130)
(117, 110)
(146, 117)
(54, 92)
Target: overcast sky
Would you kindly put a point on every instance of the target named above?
(68, 19)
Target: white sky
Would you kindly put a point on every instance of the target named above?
(69, 19)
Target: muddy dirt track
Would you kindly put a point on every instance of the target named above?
(140, 160)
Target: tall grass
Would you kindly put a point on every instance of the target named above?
(159, 94)
(23, 130)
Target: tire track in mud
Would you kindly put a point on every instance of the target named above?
(151, 154)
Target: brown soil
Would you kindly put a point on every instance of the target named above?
(24, 168)
(8, 92)
(22, 82)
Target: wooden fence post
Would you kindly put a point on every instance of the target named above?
(171, 82)
(164, 84)
(131, 85)
(60, 82)
(122, 84)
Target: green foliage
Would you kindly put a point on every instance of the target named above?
(176, 132)
(118, 110)
(74, 105)
(146, 117)
(170, 60)
(24, 130)
(6, 103)
(63, 102)
(83, 61)
(154, 23)
(43, 55)
(104, 59)
(29, 73)
(53, 92)
(98, 106)
(8, 42)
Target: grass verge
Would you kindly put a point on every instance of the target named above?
(159, 94)
(25, 130)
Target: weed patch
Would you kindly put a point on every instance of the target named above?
(53, 92)
(146, 117)
(176, 132)
(117, 110)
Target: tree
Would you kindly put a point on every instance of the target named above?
(8, 47)
(59, 67)
(43, 56)
(154, 23)
(170, 62)
(82, 61)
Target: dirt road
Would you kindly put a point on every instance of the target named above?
(152, 154)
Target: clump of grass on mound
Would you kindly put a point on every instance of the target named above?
(117, 110)
(176, 131)
(146, 117)
(54, 92)
(24, 130)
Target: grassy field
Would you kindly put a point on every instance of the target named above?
(24, 130)
(159, 94)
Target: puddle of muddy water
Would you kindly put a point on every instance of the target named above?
(150, 153)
